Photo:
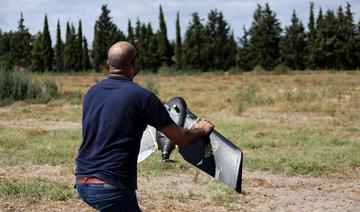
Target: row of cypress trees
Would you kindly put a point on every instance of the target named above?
(331, 41)
(36, 53)
(207, 47)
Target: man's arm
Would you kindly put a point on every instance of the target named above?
(183, 136)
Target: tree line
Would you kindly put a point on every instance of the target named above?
(21, 50)
(330, 41)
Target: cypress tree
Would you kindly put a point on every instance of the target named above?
(245, 60)
(147, 46)
(265, 35)
(59, 50)
(101, 37)
(79, 49)
(317, 49)
(21, 45)
(47, 51)
(140, 42)
(357, 46)
(311, 36)
(341, 39)
(254, 34)
(85, 56)
(116, 35)
(105, 35)
(37, 62)
(348, 41)
(231, 52)
(6, 56)
(69, 49)
(137, 31)
(220, 46)
(178, 44)
(217, 32)
(194, 43)
(131, 36)
(152, 48)
(311, 24)
(326, 41)
(143, 43)
(164, 51)
(293, 44)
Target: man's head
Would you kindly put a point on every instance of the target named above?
(123, 60)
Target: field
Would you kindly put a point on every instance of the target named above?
(300, 134)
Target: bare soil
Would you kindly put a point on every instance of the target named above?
(39, 124)
(191, 191)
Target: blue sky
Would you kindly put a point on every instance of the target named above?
(237, 12)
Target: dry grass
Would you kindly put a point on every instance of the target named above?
(303, 124)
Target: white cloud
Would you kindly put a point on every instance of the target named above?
(9, 5)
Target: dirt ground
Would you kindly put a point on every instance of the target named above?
(263, 192)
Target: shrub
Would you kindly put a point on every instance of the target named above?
(258, 69)
(75, 98)
(235, 70)
(16, 86)
(281, 69)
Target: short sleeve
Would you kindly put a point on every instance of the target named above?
(156, 113)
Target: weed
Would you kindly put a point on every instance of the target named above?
(151, 85)
(182, 196)
(249, 95)
(75, 97)
(222, 195)
(35, 189)
(25, 110)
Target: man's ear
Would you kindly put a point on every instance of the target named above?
(133, 64)
(107, 65)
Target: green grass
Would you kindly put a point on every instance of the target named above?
(221, 195)
(154, 166)
(33, 190)
(311, 148)
(38, 146)
(16, 86)
(75, 98)
(293, 150)
(183, 196)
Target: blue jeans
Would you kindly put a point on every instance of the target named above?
(105, 197)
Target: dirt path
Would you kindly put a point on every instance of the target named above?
(39, 124)
(263, 192)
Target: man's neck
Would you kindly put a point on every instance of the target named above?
(120, 74)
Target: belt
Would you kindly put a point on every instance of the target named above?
(91, 180)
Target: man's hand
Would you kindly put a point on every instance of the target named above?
(206, 126)
(182, 136)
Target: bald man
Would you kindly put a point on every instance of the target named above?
(116, 111)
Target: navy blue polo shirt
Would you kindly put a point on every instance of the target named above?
(115, 114)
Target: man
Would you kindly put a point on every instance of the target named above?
(115, 114)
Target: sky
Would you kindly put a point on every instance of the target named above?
(238, 13)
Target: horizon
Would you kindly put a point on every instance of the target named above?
(236, 13)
